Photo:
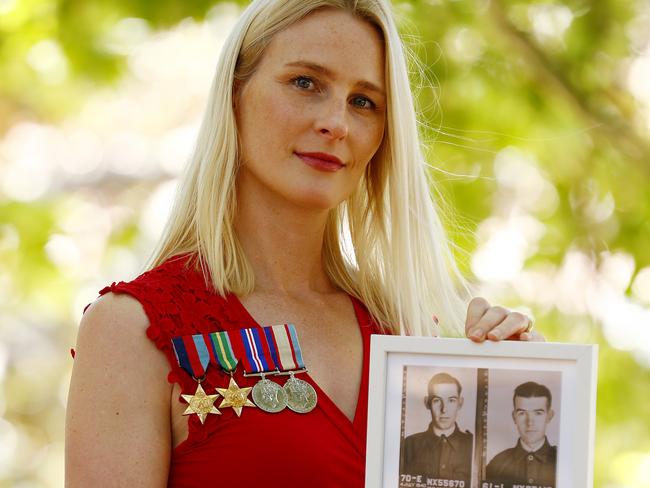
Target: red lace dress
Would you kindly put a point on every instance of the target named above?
(318, 449)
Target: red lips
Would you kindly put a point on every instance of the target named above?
(321, 161)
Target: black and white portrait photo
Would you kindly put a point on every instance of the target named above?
(439, 406)
(522, 429)
(447, 413)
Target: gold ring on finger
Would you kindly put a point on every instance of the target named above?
(531, 324)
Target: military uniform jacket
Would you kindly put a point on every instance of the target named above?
(438, 457)
(516, 466)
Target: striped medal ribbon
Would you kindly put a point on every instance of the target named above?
(223, 354)
(287, 355)
(192, 354)
(258, 360)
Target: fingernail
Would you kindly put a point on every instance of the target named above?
(476, 334)
(495, 335)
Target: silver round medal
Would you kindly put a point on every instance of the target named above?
(269, 396)
(301, 396)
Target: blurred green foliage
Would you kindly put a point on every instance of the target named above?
(496, 80)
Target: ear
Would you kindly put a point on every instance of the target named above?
(426, 402)
(460, 402)
(513, 417)
(551, 414)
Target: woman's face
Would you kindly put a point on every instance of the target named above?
(312, 115)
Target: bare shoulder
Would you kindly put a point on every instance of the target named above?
(117, 312)
(113, 330)
(114, 305)
(117, 423)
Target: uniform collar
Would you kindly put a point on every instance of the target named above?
(454, 438)
(543, 454)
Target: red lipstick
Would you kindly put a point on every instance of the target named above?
(321, 161)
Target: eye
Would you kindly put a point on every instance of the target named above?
(303, 82)
(363, 102)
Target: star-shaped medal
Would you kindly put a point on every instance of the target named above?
(235, 397)
(200, 404)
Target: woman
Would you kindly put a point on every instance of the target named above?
(306, 201)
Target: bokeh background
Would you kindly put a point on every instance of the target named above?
(538, 127)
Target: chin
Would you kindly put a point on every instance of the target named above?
(316, 201)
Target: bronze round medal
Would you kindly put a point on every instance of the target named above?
(269, 396)
(301, 396)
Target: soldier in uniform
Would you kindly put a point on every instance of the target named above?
(532, 461)
(443, 451)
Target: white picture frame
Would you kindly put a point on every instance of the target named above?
(399, 392)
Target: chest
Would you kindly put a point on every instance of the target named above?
(331, 343)
(329, 336)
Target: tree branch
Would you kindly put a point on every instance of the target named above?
(612, 124)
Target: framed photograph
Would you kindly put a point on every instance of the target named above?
(453, 413)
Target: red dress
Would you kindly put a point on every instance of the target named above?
(319, 449)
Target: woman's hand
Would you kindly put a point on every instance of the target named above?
(497, 323)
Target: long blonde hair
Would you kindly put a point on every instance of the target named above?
(384, 245)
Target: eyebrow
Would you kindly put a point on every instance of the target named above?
(368, 85)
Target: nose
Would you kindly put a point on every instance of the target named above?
(443, 407)
(332, 122)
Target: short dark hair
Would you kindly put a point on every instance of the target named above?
(531, 389)
(441, 378)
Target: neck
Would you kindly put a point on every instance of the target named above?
(446, 432)
(282, 242)
(532, 447)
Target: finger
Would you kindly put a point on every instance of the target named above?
(490, 319)
(475, 310)
(514, 324)
(532, 337)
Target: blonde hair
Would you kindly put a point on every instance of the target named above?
(384, 245)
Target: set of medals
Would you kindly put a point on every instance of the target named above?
(263, 352)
